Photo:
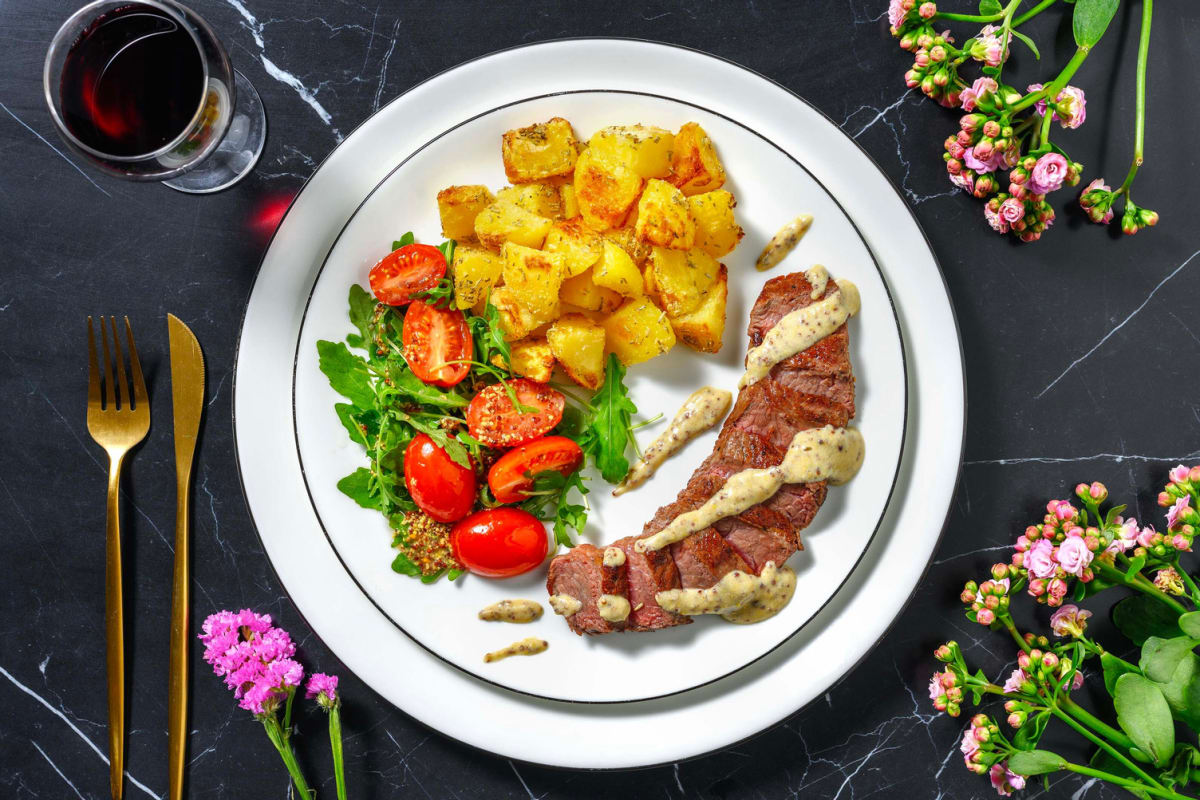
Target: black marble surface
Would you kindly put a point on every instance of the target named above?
(1082, 355)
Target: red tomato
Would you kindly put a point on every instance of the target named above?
(404, 272)
(512, 476)
(493, 420)
(432, 336)
(500, 542)
(442, 489)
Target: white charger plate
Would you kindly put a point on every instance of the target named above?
(771, 189)
(477, 712)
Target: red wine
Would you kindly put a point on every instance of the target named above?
(131, 82)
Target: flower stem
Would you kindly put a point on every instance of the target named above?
(1012, 630)
(1119, 781)
(1139, 583)
(275, 734)
(1103, 745)
(335, 744)
(1187, 580)
(1139, 127)
(1098, 725)
(984, 18)
(1057, 84)
(1033, 12)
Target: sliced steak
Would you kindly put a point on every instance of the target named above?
(579, 573)
(649, 573)
(704, 558)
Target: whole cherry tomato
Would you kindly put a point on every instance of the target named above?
(512, 475)
(404, 272)
(434, 336)
(500, 542)
(495, 421)
(441, 488)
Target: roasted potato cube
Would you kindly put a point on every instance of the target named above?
(664, 217)
(570, 207)
(679, 279)
(505, 221)
(458, 206)
(531, 358)
(582, 291)
(717, 232)
(534, 276)
(476, 271)
(617, 271)
(539, 151)
(542, 199)
(704, 328)
(515, 319)
(627, 240)
(578, 344)
(579, 245)
(605, 192)
(645, 150)
(638, 331)
(695, 167)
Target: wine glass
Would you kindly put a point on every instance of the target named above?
(145, 91)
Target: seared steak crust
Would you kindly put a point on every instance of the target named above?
(811, 389)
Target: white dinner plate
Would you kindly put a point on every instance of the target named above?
(783, 157)
(771, 188)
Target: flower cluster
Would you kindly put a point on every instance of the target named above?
(1177, 497)
(989, 598)
(1057, 551)
(254, 658)
(978, 744)
(323, 688)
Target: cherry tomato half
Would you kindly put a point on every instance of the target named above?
(494, 420)
(512, 476)
(441, 488)
(404, 272)
(500, 542)
(433, 336)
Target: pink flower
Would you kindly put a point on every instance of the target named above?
(992, 215)
(1012, 210)
(1048, 174)
(935, 687)
(1169, 581)
(1174, 512)
(254, 657)
(1069, 621)
(1039, 560)
(1004, 780)
(1071, 107)
(993, 160)
(1177, 474)
(324, 688)
(988, 48)
(1146, 535)
(969, 745)
(1013, 684)
(1077, 681)
(971, 95)
(896, 12)
(1040, 105)
(963, 181)
(1074, 555)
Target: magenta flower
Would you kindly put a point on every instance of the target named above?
(254, 658)
(972, 94)
(1039, 560)
(1048, 174)
(993, 160)
(1013, 684)
(322, 687)
(1175, 511)
(1004, 780)
(1178, 474)
(1074, 555)
(1069, 621)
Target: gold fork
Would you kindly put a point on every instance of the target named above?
(117, 422)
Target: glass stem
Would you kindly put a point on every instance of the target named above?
(1139, 125)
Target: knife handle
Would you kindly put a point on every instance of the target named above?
(177, 686)
(114, 623)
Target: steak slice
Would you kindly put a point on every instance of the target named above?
(649, 573)
(704, 558)
(579, 573)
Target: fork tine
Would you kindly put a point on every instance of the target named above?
(139, 383)
(109, 389)
(93, 370)
(122, 382)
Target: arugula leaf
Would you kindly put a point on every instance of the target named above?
(357, 486)
(347, 373)
(609, 431)
(404, 565)
(489, 335)
(362, 311)
(439, 295)
(363, 426)
(403, 241)
(435, 431)
(447, 248)
(548, 500)
(408, 385)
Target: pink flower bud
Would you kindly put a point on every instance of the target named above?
(1049, 661)
(1098, 491)
(1037, 587)
(1024, 660)
(1164, 499)
(927, 10)
(1194, 474)
(991, 129)
(985, 616)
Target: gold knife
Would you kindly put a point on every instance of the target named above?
(187, 404)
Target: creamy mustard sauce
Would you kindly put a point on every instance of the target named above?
(817, 454)
(739, 597)
(519, 610)
(818, 276)
(614, 557)
(526, 647)
(613, 607)
(565, 605)
(782, 243)
(799, 330)
(706, 407)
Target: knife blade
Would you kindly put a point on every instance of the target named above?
(187, 405)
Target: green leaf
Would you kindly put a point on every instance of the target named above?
(363, 426)
(433, 577)
(1189, 623)
(1028, 43)
(357, 486)
(347, 373)
(549, 500)
(403, 241)
(1135, 566)
(1029, 734)
(1160, 657)
(1113, 513)
(1035, 762)
(990, 8)
(1113, 668)
(409, 386)
(447, 248)
(1182, 691)
(488, 333)
(609, 432)
(362, 310)
(1091, 19)
(404, 565)
(1143, 713)
(1139, 617)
